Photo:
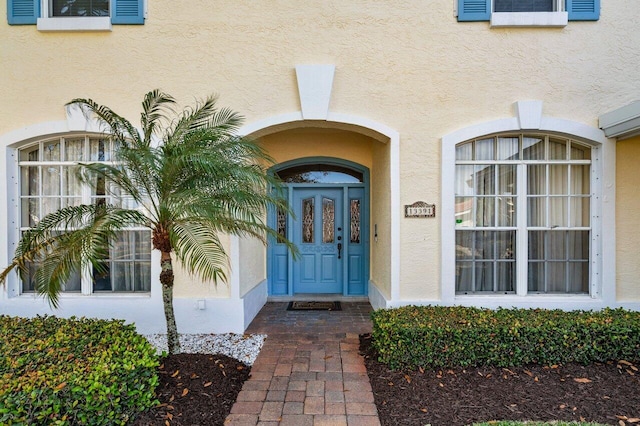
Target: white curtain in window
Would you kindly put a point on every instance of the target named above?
(557, 202)
(553, 253)
(74, 149)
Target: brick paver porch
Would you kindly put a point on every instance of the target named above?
(308, 371)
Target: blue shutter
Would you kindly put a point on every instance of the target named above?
(474, 10)
(583, 10)
(127, 12)
(23, 12)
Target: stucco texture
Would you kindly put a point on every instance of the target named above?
(381, 221)
(252, 264)
(191, 285)
(627, 220)
(315, 142)
(408, 65)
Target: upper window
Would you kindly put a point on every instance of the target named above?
(548, 13)
(523, 212)
(526, 5)
(75, 15)
(48, 182)
(78, 8)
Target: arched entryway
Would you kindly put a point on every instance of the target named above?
(330, 226)
(289, 137)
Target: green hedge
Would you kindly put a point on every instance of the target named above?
(437, 336)
(552, 423)
(57, 371)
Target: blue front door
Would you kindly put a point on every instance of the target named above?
(330, 228)
(318, 230)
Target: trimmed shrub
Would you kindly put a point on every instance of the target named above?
(552, 423)
(438, 336)
(73, 371)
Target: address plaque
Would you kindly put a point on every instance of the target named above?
(420, 209)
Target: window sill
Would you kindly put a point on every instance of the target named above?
(74, 24)
(529, 19)
(526, 296)
(101, 295)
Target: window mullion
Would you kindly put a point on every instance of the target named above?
(567, 263)
(40, 194)
(86, 286)
(86, 280)
(474, 269)
(45, 9)
(522, 237)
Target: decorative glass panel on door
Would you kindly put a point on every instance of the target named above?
(355, 222)
(328, 220)
(307, 220)
(281, 219)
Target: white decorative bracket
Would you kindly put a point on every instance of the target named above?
(529, 114)
(315, 83)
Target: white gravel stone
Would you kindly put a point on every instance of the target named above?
(243, 347)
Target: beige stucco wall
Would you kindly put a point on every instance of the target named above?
(252, 267)
(627, 220)
(190, 285)
(380, 261)
(408, 65)
(425, 82)
(311, 142)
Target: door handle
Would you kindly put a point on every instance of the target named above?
(339, 249)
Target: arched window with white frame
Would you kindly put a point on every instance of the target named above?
(523, 209)
(48, 182)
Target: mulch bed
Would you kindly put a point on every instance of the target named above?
(198, 389)
(195, 389)
(605, 393)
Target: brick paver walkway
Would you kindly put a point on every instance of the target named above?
(308, 371)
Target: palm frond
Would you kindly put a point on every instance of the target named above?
(203, 116)
(226, 120)
(134, 174)
(197, 246)
(89, 173)
(201, 181)
(191, 118)
(238, 216)
(230, 162)
(116, 126)
(66, 240)
(155, 107)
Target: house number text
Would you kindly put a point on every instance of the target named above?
(420, 209)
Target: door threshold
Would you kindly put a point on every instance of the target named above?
(318, 297)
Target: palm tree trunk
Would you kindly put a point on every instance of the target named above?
(166, 279)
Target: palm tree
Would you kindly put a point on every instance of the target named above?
(191, 178)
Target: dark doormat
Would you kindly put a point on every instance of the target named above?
(314, 306)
